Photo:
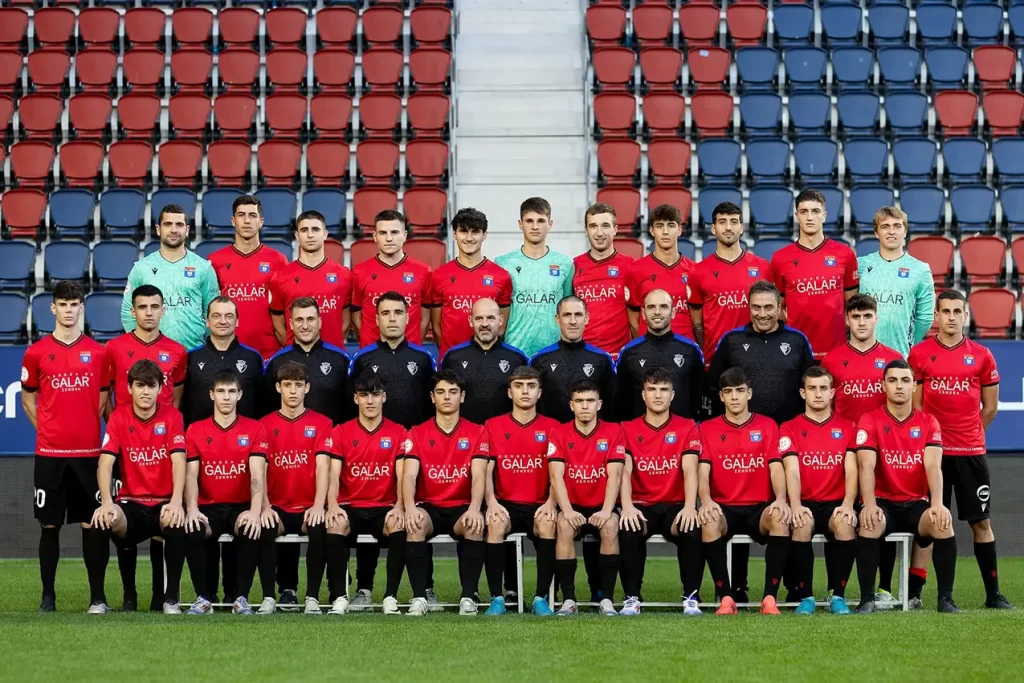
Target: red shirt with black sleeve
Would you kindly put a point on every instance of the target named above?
(454, 289)
(246, 279)
(293, 446)
(520, 455)
(657, 458)
(373, 277)
(368, 462)
(821, 448)
(899, 444)
(124, 351)
(602, 287)
(329, 283)
(857, 378)
(446, 479)
(740, 456)
(143, 450)
(648, 274)
(586, 458)
(223, 454)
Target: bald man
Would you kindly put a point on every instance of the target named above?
(484, 362)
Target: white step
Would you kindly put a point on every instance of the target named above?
(531, 6)
(501, 203)
(537, 160)
(483, 113)
(509, 20)
(525, 63)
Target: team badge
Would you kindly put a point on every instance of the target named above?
(785, 443)
(753, 271)
(755, 436)
(862, 437)
(968, 360)
(332, 277)
(670, 437)
(588, 369)
(309, 432)
(164, 357)
(679, 360)
(830, 261)
(325, 369)
(554, 270)
(903, 272)
(264, 267)
(488, 280)
(83, 356)
(411, 367)
(686, 278)
(190, 272)
(243, 440)
(837, 433)
(503, 365)
(880, 363)
(785, 348)
(241, 365)
(463, 444)
(613, 271)
(540, 437)
(407, 278)
(915, 432)
(602, 445)
(385, 442)
(160, 428)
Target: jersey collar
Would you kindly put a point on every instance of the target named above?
(572, 346)
(400, 262)
(67, 346)
(467, 269)
(815, 422)
(381, 344)
(864, 353)
(255, 251)
(942, 346)
(743, 254)
(317, 345)
(913, 412)
(159, 337)
(657, 429)
(224, 429)
(231, 347)
(811, 251)
(666, 266)
(746, 422)
(370, 432)
(450, 434)
(547, 251)
(597, 426)
(148, 419)
(292, 419)
(598, 262)
(523, 424)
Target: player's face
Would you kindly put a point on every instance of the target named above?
(585, 406)
(601, 231)
(818, 393)
(225, 397)
(143, 395)
(862, 324)
(392, 317)
(293, 392)
(306, 325)
(469, 241)
(524, 393)
(736, 399)
(666, 234)
(370, 403)
(658, 397)
(891, 233)
(658, 311)
(447, 398)
(173, 230)
(247, 221)
(148, 311)
(486, 321)
(571, 320)
(535, 227)
(727, 229)
(67, 312)
(952, 316)
(222, 319)
(810, 216)
(899, 386)
(389, 236)
(764, 312)
(311, 235)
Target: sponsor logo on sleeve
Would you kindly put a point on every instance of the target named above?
(862, 437)
(784, 444)
(24, 374)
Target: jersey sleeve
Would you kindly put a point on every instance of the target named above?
(867, 434)
(337, 444)
(192, 442)
(112, 443)
(260, 442)
(570, 274)
(934, 437)
(556, 451)
(989, 371)
(916, 363)
(404, 442)
(176, 433)
(504, 296)
(779, 277)
(356, 299)
(618, 449)
(275, 298)
(211, 289)
(178, 373)
(691, 442)
(107, 368)
(787, 444)
(773, 438)
(127, 321)
(30, 370)
(851, 277)
(325, 439)
(924, 308)
(705, 439)
(431, 295)
(632, 287)
(696, 292)
(483, 445)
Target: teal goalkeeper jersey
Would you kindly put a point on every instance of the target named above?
(537, 287)
(188, 286)
(906, 298)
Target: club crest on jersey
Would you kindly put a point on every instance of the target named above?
(411, 367)
(164, 357)
(332, 277)
(830, 261)
(503, 365)
(385, 442)
(679, 360)
(903, 272)
(753, 271)
(325, 368)
(685, 278)
(588, 369)
(264, 267)
(241, 365)
(613, 271)
(755, 436)
(968, 360)
(880, 363)
(837, 433)
(243, 440)
(309, 432)
(540, 437)
(915, 432)
(670, 437)
(83, 356)
(488, 280)
(785, 348)
(190, 271)
(160, 428)
(463, 444)
(407, 278)
(602, 445)
(554, 270)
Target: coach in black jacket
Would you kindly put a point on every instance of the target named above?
(773, 355)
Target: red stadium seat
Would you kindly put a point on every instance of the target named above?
(618, 162)
(678, 197)
(428, 115)
(984, 261)
(382, 70)
(957, 111)
(286, 69)
(327, 161)
(426, 163)
(239, 26)
(131, 162)
(32, 164)
(712, 113)
(48, 71)
(13, 27)
(613, 68)
(333, 68)
(362, 249)
(192, 26)
(22, 212)
(661, 68)
(992, 313)
(190, 116)
(191, 70)
(709, 67)
(89, 115)
(229, 162)
(370, 201)
(626, 201)
(746, 23)
(430, 251)
(144, 69)
(1003, 112)
(286, 26)
(430, 25)
(699, 24)
(430, 69)
(377, 161)
(1017, 251)
(383, 24)
(630, 246)
(285, 115)
(40, 115)
(6, 109)
(606, 26)
(614, 115)
(98, 25)
(180, 160)
(96, 70)
(239, 68)
(233, 116)
(379, 115)
(278, 162)
(937, 252)
(331, 116)
(336, 26)
(994, 65)
(669, 161)
(652, 24)
(663, 115)
(335, 250)
(144, 26)
(10, 72)
(55, 27)
(137, 115)
(425, 208)
(81, 163)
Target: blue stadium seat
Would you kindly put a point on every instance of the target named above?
(1015, 15)
(841, 23)
(217, 212)
(964, 160)
(278, 211)
(719, 161)
(947, 67)
(66, 260)
(805, 67)
(186, 199)
(710, 197)
(853, 68)
(1008, 155)
(794, 24)
(858, 113)
(809, 113)
(761, 114)
(889, 24)
(906, 113)
(867, 160)
(768, 161)
(1012, 199)
(757, 68)
(13, 309)
(72, 213)
(864, 202)
(983, 23)
(766, 248)
(43, 319)
(816, 160)
(974, 208)
(150, 247)
(866, 245)
(281, 246)
(207, 247)
(771, 211)
(112, 260)
(925, 208)
(686, 248)
(915, 160)
(936, 24)
(121, 213)
(329, 202)
(835, 213)
(103, 315)
(708, 248)
(17, 265)
(900, 67)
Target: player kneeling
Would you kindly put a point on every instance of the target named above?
(899, 451)
(821, 471)
(585, 461)
(742, 489)
(659, 492)
(147, 441)
(451, 454)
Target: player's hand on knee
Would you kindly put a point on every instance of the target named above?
(599, 518)
(631, 519)
(802, 516)
(415, 520)
(103, 517)
(780, 509)
(940, 516)
(473, 521)
(313, 516)
(335, 516)
(709, 513)
(172, 515)
(194, 520)
(395, 519)
(497, 515)
(871, 517)
(687, 520)
(546, 513)
(845, 515)
(575, 519)
(269, 518)
(249, 524)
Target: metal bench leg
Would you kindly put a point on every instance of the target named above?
(905, 547)
(519, 571)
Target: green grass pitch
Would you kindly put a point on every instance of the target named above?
(922, 646)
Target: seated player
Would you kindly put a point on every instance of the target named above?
(451, 454)
(367, 465)
(585, 461)
(519, 499)
(742, 489)
(298, 467)
(659, 492)
(899, 454)
(821, 471)
(146, 439)
(227, 457)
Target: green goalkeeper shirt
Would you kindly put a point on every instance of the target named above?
(537, 287)
(905, 294)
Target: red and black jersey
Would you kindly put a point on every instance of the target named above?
(246, 279)
(740, 456)
(124, 351)
(657, 458)
(951, 379)
(719, 288)
(814, 283)
(586, 458)
(602, 287)
(649, 274)
(329, 283)
(368, 462)
(223, 454)
(899, 469)
(446, 477)
(143, 450)
(294, 444)
(69, 379)
(454, 289)
(857, 378)
(821, 448)
(520, 455)
(373, 277)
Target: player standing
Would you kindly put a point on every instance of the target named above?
(540, 278)
(664, 268)
(64, 385)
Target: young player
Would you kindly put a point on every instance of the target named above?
(518, 495)
(954, 376)
(444, 486)
(585, 461)
(742, 489)
(659, 492)
(64, 385)
(664, 268)
(599, 278)
(899, 454)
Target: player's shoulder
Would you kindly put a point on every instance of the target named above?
(176, 345)
(422, 351)
(277, 355)
(366, 350)
(319, 418)
(760, 421)
(509, 257)
(246, 422)
(516, 350)
(604, 355)
(558, 257)
(416, 264)
(612, 428)
(456, 350)
(496, 422)
(844, 424)
(730, 334)
(792, 425)
(221, 256)
(783, 254)
(631, 344)
(551, 348)
(686, 341)
(336, 350)
(798, 334)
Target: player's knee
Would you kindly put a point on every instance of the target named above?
(876, 532)
(610, 530)
(564, 529)
(982, 529)
(802, 534)
(544, 528)
(339, 529)
(843, 531)
(53, 526)
(712, 531)
(495, 533)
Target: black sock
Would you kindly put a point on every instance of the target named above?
(127, 558)
(609, 573)
(417, 561)
(740, 565)
(268, 560)
(829, 553)
(156, 568)
(791, 578)
(288, 566)
(802, 560)
(591, 566)
(174, 552)
(247, 558)
(944, 559)
(867, 566)
(775, 556)
(916, 582)
(843, 555)
(430, 566)
(395, 563)
(229, 557)
(545, 565)
(96, 551)
(195, 553)
(337, 565)
(690, 555)
(631, 545)
(495, 566)
(886, 564)
(367, 557)
(316, 558)
(49, 556)
(212, 553)
(566, 570)
(510, 569)
(985, 553)
(473, 553)
(715, 554)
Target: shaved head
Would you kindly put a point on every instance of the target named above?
(485, 319)
(658, 311)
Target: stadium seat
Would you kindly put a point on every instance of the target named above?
(361, 250)
(835, 210)
(809, 113)
(925, 208)
(382, 70)
(238, 68)
(889, 24)
(964, 160)
(379, 115)
(626, 202)
(143, 70)
(150, 247)
(278, 211)
(974, 208)
(426, 163)
(816, 160)
(328, 163)
(866, 246)
(144, 26)
(334, 250)
(89, 115)
(994, 66)
(229, 162)
(900, 67)
(207, 247)
(233, 116)
(278, 163)
(336, 26)
(867, 160)
(333, 69)
(629, 246)
(6, 112)
(757, 68)
(652, 25)
(48, 72)
(14, 23)
(191, 71)
(864, 202)
(32, 164)
(40, 116)
(377, 163)
(983, 258)
(957, 111)
(137, 116)
(180, 160)
(983, 23)
(841, 23)
(99, 26)
(10, 72)
(805, 67)
(425, 209)
(906, 113)
(794, 24)
(746, 23)
(13, 309)
(936, 24)
(43, 319)
(711, 197)
(217, 212)
(54, 28)
(285, 115)
(712, 113)
(192, 26)
(947, 67)
(992, 313)
(430, 25)
(331, 116)
(238, 26)
(1017, 253)
(853, 68)
(614, 116)
(1003, 112)
(687, 249)
(709, 67)
(189, 116)
(186, 199)
(761, 114)
(858, 114)
(330, 203)
(915, 160)
(370, 201)
(1008, 156)
(938, 253)
(286, 70)
(1015, 15)
(766, 248)
(660, 69)
(81, 163)
(663, 115)
(103, 315)
(382, 24)
(432, 252)
(698, 24)
(719, 161)
(286, 27)
(613, 69)
(95, 70)
(771, 211)
(668, 162)
(618, 162)
(430, 70)
(121, 212)
(17, 265)
(679, 197)
(66, 260)
(71, 213)
(427, 114)
(768, 161)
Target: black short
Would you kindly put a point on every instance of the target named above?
(65, 490)
(521, 517)
(659, 520)
(822, 513)
(745, 519)
(367, 520)
(291, 521)
(967, 476)
(443, 519)
(222, 517)
(905, 518)
(143, 521)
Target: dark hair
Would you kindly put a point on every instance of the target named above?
(810, 196)
(571, 299)
(68, 290)
(391, 295)
(535, 205)
(248, 200)
(368, 383)
(470, 219)
(226, 377)
(172, 208)
(147, 373)
(658, 375)
(950, 295)
(584, 386)
(726, 209)
(733, 377)
(764, 287)
(598, 208)
(221, 299)
(524, 372)
(898, 364)
(814, 372)
(292, 370)
(666, 213)
(304, 302)
(389, 215)
(449, 376)
(146, 290)
(309, 215)
(861, 302)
